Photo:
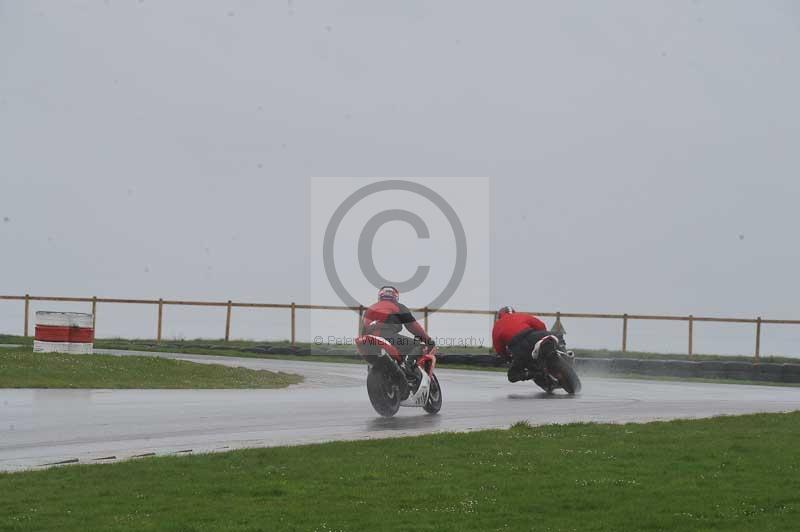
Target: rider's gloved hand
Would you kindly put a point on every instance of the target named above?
(430, 343)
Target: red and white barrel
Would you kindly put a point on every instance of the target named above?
(64, 332)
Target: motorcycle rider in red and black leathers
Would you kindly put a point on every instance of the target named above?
(522, 339)
(386, 319)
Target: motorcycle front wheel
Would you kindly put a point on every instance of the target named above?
(565, 374)
(383, 393)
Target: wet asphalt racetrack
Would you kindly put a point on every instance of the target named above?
(39, 427)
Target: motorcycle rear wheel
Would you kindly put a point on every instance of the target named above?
(383, 393)
(565, 373)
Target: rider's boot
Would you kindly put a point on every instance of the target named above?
(517, 374)
(413, 372)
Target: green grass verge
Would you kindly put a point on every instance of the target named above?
(730, 473)
(25, 369)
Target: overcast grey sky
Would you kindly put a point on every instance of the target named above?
(643, 155)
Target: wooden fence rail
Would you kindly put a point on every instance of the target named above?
(426, 312)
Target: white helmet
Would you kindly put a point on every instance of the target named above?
(389, 293)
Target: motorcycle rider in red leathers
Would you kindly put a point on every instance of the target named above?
(522, 339)
(386, 319)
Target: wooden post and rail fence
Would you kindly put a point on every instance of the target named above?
(426, 312)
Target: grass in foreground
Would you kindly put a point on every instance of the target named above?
(731, 473)
(25, 369)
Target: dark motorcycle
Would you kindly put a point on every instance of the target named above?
(557, 370)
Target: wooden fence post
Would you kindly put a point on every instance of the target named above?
(228, 322)
(294, 322)
(425, 316)
(94, 314)
(758, 340)
(27, 310)
(624, 333)
(691, 335)
(160, 318)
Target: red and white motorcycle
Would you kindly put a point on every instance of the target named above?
(419, 386)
